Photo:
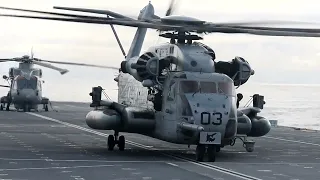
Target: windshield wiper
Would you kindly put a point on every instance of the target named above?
(199, 89)
(220, 90)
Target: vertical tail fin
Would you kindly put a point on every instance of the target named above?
(146, 13)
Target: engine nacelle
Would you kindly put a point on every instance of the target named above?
(126, 119)
(37, 72)
(260, 126)
(238, 69)
(141, 68)
(244, 123)
(251, 124)
(244, 71)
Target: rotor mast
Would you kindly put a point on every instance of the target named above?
(181, 37)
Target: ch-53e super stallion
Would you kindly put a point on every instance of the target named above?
(176, 91)
(25, 83)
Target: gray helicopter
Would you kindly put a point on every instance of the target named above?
(25, 83)
(177, 91)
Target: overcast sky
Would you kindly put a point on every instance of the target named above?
(275, 59)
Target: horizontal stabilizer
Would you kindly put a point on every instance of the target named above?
(96, 11)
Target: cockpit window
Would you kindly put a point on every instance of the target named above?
(226, 88)
(25, 83)
(189, 86)
(208, 87)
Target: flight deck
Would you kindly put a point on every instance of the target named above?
(59, 145)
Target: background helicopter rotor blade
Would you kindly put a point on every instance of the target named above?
(78, 64)
(62, 71)
(4, 86)
(171, 8)
(10, 59)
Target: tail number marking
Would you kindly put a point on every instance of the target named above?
(206, 118)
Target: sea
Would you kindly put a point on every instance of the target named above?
(293, 105)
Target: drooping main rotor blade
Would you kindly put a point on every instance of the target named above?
(271, 32)
(264, 22)
(100, 21)
(206, 27)
(279, 33)
(54, 13)
(96, 11)
(305, 30)
(169, 12)
(78, 64)
(62, 71)
(4, 86)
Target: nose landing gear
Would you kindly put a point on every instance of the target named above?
(113, 140)
(209, 150)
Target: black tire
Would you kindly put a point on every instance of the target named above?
(46, 108)
(200, 151)
(1, 107)
(218, 149)
(121, 143)
(111, 142)
(212, 149)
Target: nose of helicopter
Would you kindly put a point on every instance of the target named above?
(27, 95)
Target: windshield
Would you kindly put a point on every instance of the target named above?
(24, 83)
(189, 86)
(208, 87)
(225, 88)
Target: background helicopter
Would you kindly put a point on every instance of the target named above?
(26, 85)
(176, 91)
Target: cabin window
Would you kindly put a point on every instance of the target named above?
(25, 83)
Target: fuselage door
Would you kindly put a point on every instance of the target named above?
(170, 101)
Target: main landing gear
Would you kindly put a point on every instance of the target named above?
(3, 105)
(114, 139)
(209, 150)
(45, 107)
